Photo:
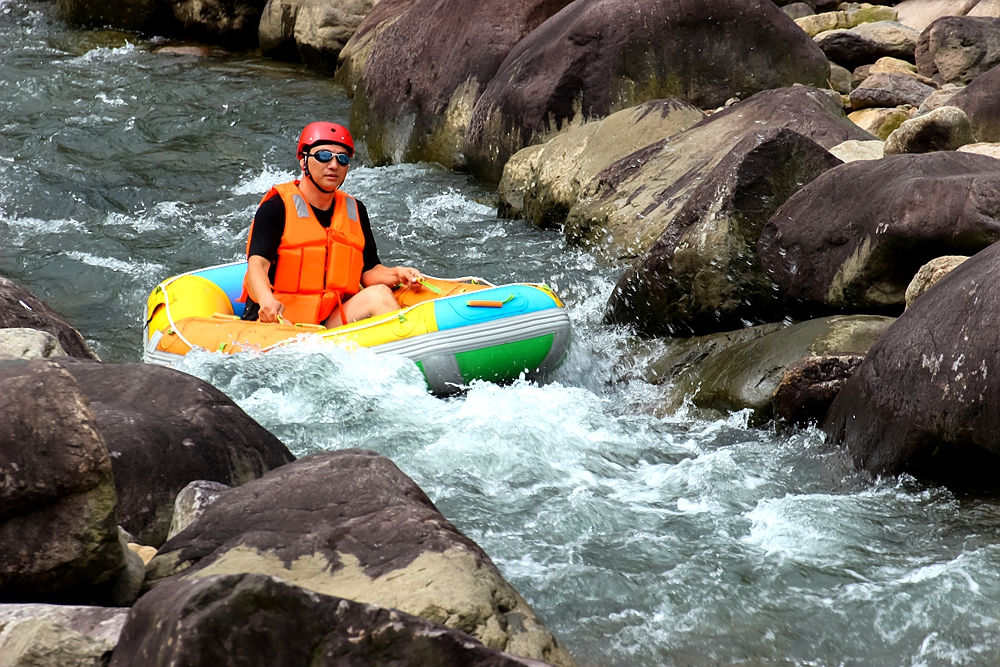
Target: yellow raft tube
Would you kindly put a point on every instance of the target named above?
(456, 331)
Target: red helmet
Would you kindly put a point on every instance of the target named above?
(325, 133)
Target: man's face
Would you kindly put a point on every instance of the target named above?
(329, 175)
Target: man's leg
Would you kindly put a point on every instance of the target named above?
(374, 300)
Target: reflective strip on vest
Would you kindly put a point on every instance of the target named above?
(301, 208)
(352, 208)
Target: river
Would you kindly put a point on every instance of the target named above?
(640, 541)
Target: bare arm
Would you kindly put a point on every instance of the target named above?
(391, 276)
(260, 289)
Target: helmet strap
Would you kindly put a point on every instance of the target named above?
(310, 177)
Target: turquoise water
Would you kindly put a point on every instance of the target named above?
(641, 541)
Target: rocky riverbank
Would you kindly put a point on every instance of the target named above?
(777, 185)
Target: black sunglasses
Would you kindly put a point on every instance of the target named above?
(343, 159)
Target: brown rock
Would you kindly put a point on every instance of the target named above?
(20, 309)
(600, 56)
(808, 387)
(58, 537)
(350, 524)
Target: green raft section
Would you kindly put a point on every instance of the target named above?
(527, 337)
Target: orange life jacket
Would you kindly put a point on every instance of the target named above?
(317, 266)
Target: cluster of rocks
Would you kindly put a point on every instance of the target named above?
(146, 519)
(765, 163)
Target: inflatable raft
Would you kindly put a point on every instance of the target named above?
(456, 331)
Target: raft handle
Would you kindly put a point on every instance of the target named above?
(485, 303)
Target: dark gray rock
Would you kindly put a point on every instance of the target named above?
(230, 23)
(702, 274)
(923, 401)
(866, 43)
(889, 90)
(349, 523)
(165, 429)
(250, 620)
(980, 100)
(20, 309)
(58, 538)
(808, 387)
(600, 56)
(276, 31)
(149, 16)
(426, 69)
(957, 49)
(855, 237)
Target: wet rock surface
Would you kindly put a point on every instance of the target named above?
(920, 402)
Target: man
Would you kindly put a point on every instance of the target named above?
(311, 256)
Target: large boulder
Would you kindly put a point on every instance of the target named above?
(702, 274)
(855, 237)
(231, 23)
(600, 56)
(43, 635)
(918, 14)
(866, 43)
(165, 429)
(980, 101)
(59, 635)
(149, 16)
(20, 309)
(923, 400)
(354, 55)
(541, 183)
(276, 31)
(59, 541)
(350, 524)
(426, 69)
(252, 620)
(957, 49)
(627, 206)
(323, 28)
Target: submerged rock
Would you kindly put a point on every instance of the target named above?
(747, 374)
